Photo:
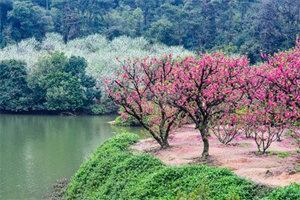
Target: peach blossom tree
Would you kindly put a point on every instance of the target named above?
(206, 87)
(227, 127)
(283, 76)
(140, 91)
(273, 97)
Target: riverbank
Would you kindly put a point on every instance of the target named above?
(38, 150)
(62, 113)
(278, 168)
(115, 172)
(57, 190)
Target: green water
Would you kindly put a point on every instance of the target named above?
(36, 151)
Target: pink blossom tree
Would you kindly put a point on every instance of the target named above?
(206, 87)
(283, 75)
(227, 127)
(296, 134)
(140, 91)
(264, 111)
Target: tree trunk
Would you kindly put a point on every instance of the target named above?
(161, 141)
(205, 153)
(204, 135)
(278, 138)
(165, 144)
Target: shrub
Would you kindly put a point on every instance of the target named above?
(126, 121)
(290, 192)
(113, 172)
(122, 121)
(96, 170)
(101, 109)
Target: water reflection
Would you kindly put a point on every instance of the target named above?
(35, 151)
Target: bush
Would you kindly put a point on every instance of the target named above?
(103, 106)
(290, 192)
(130, 121)
(113, 172)
(101, 109)
(96, 170)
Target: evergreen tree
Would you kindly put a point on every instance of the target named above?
(14, 92)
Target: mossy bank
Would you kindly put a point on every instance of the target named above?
(114, 172)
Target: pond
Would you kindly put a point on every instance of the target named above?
(36, 151)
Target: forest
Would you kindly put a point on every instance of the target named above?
(99, 35)
(247, 27)
(71, 75)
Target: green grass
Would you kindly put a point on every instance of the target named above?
(283, 154)
(245, 144)
(114, 172)
(276, 153)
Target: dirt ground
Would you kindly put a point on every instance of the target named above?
(272, 170)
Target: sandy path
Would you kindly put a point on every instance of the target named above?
(186, 147)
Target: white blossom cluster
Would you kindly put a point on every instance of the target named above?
(100, 52)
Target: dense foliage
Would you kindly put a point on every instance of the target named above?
(288, 192)
(243, 26)
(100, 55)
(61, 84)
(57, 84)
(14, 90)
(113, 172)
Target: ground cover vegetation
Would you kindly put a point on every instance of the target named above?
(246, 27)
(219, 94)
(114, 172)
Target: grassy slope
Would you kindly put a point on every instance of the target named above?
(113, 172)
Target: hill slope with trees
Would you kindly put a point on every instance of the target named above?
(244, 26)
